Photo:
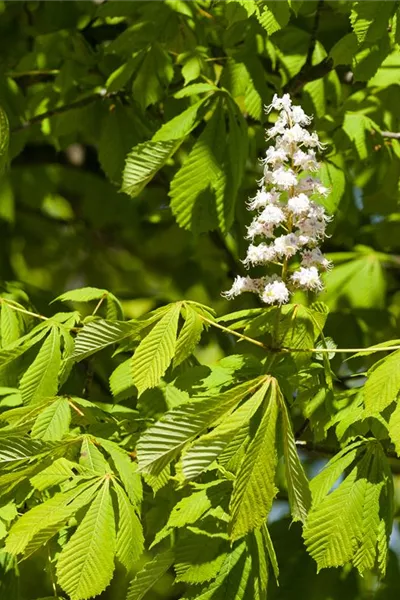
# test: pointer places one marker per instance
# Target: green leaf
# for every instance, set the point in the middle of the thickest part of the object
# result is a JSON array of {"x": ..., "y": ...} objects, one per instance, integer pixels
[
  {"x": 145, "y": 159},
  {"x": 189, "y": 336},
  {"x": 274, "y": 16},
  {"x": 254, "y": 488},
  {"x": 193, "y": 187},
  {"x": 164, "y": 440},
  {"x": 10, "y": 325},
  {"x": 394, "y": 428},
  {"x": 154, "y": 74},
  {"x": 208, "y": 447},
  {"x": 58, "y": 472},
  {"x": 88, "y": 294},
  {"x": 156, "y": 351},
  {"x": 334, "y": 179},
  {"x": 148, "y": 576},
  {"x": 198, "y": 558},
  {"x": 86, "y": 564},
  {"x": 91, "y": 458},
  {"x": 126, "y": 468},
  {"x": 346, "y": 524},
  {"x": 48, "y": 517},
  {"x": 297, "y": 483},
  {"x": 181, "y": 125},
  {"x": 343, "y": 51},
  {"x": 121, "y": 379},
  {"x": 143, "y": 162},
  {"x": 231, "y": 581},
  {"x": 14, "y": 449},
  {"x": 383, "y": 384},
  {"x": 130, "y": 540},
  {"x": 369, "y": 22},
  {"x": 53, "y": 422},
  {"x": 100, "y": 334},
  {"x": 358, "y": 126},
  {"x": 40, "y": 380},
  {"x": 4, "y": 139}
]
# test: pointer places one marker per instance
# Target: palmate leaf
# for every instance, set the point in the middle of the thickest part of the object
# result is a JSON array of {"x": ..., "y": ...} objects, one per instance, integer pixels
[
  {"x": 350, "y": 523},
  {"x": 48, "y": 517},
  {"x": 86, "y": 563},
  {"x": 148, "y": 576},
  {"x": 254, "y": 488},
  {"x": 130, "y": 540},
  {"x": 208, "y": 447},
  {"x": 155, "y": 352},
  {"x": 40, "y": 380},
  {"x": 297, "y": 483},
  {"x": 53, "y": 422},
  {"x": 165, "y": 439},
  {"x": 382, "y": 385},
  {"x": 100, "y": 334}
]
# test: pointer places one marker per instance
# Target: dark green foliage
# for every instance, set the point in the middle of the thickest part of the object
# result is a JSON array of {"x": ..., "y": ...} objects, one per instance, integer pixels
[{"x": 152, "y": 446}]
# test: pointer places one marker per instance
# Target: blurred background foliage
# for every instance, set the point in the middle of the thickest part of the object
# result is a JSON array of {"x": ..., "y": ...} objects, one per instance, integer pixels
[{"x": 84, "y": 83}]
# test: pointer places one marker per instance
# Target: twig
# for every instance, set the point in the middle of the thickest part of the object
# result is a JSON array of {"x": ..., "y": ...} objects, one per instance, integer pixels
[
  {"x": 15, "y": 306},
  {"x": 78, "y": 410},
  {"x": 100, "y": 302},
  {"x": 286, "y": 350},
  {"x": 62, "y": 109},
  {"x": 310, "y": 72},
  {"x": 314, "y": 31}
]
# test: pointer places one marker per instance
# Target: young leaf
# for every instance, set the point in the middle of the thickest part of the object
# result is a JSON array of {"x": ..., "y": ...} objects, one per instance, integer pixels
[
  {"x": 148, "y": 576},
  {"x": 191, "y": 187},
  {"x": 297, "y": 483},
  {"x": 254, "y": 488},
  {"x": 92, "y": 459},
  {"x": 86, "y": 564},
  {"x": 231, "y": 581},
  {"x": 189, "y": 336},
  {"x": 14, "y": 449},
  {"x": 121, "y": 378},
  {"x": 155, "y": 352},
  {"x": 164, "y": 440},
  {"x": 48, "y": 517},
  {"x": 40, "y": 380},
  {"x": 53, "y": 422},
  {"x": 347, "y": 524},
  {"x": 208, "y": 447},
  {"x": 127, "y": 470},
  {"x": 97, "y": 335},
  {"x": 143, "y": 162},
  {"x": 382, "y": 385},
  {"x": 130, "y": 540}
]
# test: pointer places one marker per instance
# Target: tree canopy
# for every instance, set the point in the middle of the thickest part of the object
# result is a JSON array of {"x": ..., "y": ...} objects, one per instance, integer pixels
[{"x": 158, "y": 440}]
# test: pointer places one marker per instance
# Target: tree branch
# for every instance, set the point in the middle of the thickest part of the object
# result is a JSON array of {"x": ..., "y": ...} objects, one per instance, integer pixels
[
  {"x": 65, "y": 108},
  {"x": 310, "y": 72}
]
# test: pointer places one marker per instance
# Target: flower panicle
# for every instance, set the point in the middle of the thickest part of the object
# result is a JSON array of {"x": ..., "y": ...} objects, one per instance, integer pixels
[{"x": 289, "y": 225}]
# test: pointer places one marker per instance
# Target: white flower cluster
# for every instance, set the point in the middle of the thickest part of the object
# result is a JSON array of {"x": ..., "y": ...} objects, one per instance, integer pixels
[{"x": 289, "y": 225}]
